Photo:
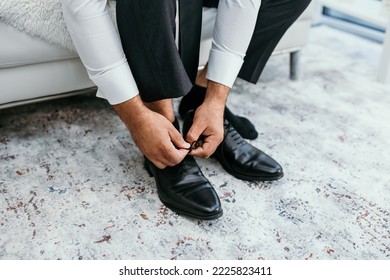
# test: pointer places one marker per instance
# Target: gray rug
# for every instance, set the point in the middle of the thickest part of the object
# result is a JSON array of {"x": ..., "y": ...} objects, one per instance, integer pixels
[{"x": 73, "y": 186}]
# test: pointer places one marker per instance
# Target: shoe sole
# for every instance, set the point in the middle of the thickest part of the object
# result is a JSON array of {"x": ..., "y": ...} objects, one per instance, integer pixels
[{"x": 191, "y": 215}]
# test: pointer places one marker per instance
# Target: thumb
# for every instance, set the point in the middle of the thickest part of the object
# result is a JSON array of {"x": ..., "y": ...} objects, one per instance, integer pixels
[
  {"x": 178, "y": 140},
  {"x": 182, "y": 153},
  {"x": 194, "y": 133}
]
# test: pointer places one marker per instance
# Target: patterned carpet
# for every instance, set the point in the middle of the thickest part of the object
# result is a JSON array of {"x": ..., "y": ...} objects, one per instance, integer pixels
[{"x": 73, "y": 186}]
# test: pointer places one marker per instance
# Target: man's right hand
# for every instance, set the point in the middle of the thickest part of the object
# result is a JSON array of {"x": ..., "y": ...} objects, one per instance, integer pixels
[
  {"x": 208, "y": 120},
  {"x": 154, "y": 134}
]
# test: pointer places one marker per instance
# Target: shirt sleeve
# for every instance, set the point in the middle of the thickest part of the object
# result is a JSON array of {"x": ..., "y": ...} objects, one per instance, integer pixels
[
  {"x": 234, "y": 26},
  {"x": 98, "y": 44}
]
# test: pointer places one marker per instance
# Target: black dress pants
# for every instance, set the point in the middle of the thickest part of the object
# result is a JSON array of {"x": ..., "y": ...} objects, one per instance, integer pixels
[
  {"x": 275, "y": 17},
  {"x": 147, "y": 29}
]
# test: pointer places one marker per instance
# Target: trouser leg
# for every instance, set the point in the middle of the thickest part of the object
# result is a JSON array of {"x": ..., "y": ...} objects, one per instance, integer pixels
[
  {"x": 147, "y": 31},
  {"x": 275, "y": 17},
  {"x": 190, "y": 26}
]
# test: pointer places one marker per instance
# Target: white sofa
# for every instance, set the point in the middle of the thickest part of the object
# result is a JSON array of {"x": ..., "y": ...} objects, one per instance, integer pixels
[{"x": 33, "y": 70}]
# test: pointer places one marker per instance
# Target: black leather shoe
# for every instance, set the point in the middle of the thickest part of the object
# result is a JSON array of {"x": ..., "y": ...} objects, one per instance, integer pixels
[
  {"x": 240, "y": 158},
  {"x": 184, "y": 189}
]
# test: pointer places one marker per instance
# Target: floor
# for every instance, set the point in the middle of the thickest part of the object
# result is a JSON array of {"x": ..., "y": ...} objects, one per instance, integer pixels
[{"x": 73, "y": 186}]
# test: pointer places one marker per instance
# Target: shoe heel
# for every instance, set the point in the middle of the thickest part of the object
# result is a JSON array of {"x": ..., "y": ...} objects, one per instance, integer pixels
[{"x": 148, "y": 170}]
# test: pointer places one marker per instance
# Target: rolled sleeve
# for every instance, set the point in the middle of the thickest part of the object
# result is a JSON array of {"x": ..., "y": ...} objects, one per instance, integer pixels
[
  {"x": 235, "y": 23},
  {"x": 223, "y": 67},
  {"x": 98, "y": 44},
  {"x": 117, "y": 85}
]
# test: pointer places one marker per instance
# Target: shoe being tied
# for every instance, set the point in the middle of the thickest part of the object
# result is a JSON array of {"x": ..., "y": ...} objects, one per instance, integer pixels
[
  {"x": 240, "y": 158},
  {"x": 184, "y": 189}
]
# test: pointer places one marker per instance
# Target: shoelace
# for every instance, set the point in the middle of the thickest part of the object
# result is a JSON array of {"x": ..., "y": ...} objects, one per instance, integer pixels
[
  {"x": 232, "y": 133},
  {"x": 195, "y": 145}
]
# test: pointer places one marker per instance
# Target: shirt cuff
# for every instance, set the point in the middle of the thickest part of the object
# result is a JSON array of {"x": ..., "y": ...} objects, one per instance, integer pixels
[
  {"x": 116, "y": 85},
  {"x": 223, "y": 67}
]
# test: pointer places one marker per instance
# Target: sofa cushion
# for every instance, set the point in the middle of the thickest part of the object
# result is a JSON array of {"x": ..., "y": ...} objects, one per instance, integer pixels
[{"x": 13, "y": 51}]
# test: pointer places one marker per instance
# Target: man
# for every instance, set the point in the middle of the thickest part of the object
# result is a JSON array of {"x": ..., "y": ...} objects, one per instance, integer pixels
[{"x": 149, "y": 117}]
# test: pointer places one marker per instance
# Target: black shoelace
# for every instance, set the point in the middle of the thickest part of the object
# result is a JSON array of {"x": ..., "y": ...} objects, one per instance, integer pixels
[{"x": 232, "y": 133}]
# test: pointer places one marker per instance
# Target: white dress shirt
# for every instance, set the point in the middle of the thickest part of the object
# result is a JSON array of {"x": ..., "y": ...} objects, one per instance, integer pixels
[
  {"x": 98, "y": 44},
  {"x": 234, "y": 26}
]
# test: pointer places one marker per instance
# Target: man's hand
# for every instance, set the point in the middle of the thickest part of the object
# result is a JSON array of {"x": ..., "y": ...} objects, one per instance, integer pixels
[
  {"x": 207, "y": 127},
  {"x": 208, "y": 121},
  {"x": 154, "y": 135}
]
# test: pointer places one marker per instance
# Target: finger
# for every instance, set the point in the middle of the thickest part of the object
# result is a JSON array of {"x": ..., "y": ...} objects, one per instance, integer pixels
[
  {"x": 199, "y": 152},
  {"x": 174, "y": 156},
  {"x": 159, "y": 164},
  {"x": 194, "y": 133},
  {"x": 178, "y": 140},
  {"x": 182, "y": 153},
  {"x": 165, "y": 155},
  {"x": 207, "y": 149}
]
